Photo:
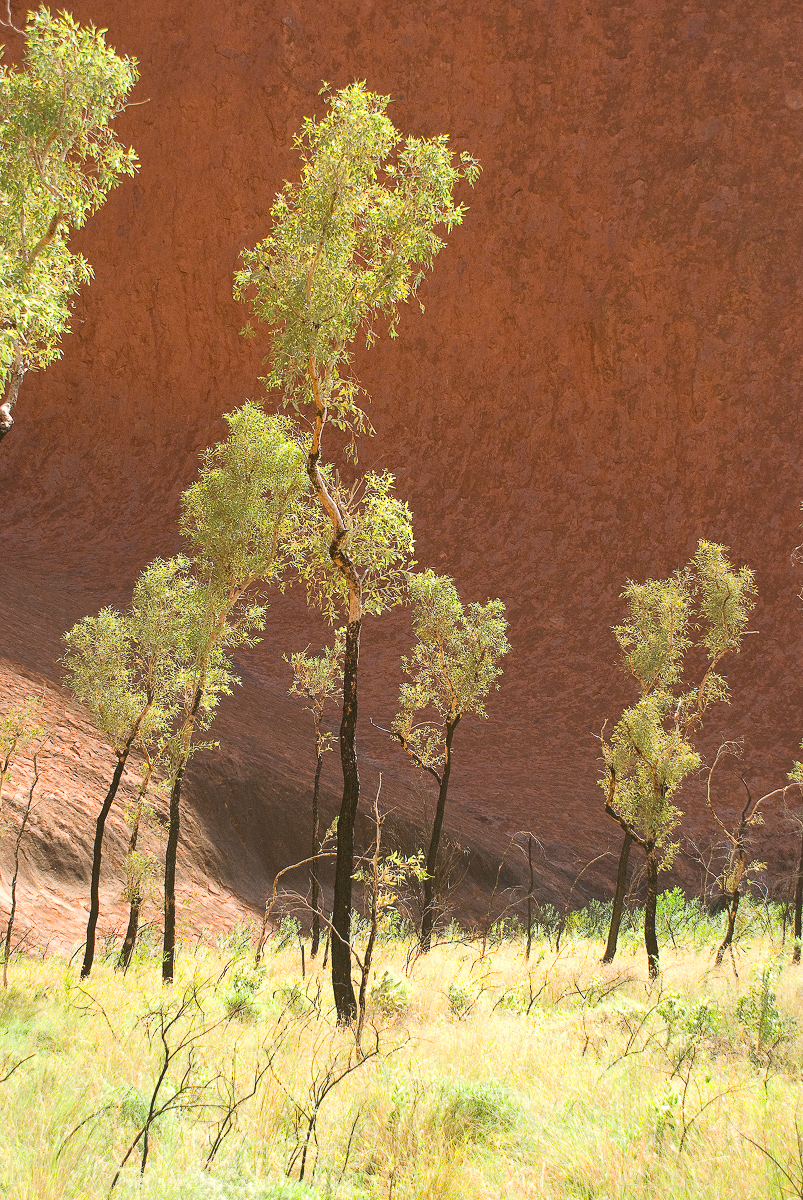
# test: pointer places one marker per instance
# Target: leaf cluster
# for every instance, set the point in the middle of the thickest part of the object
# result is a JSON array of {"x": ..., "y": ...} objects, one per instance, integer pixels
[
  {"x": 699, "y": 613},
  {"x": 59, "y": 158},
  {"x": 19, "y": 727},
  {"x": 243, "y": 518},
  {"x": 350, "y": 242},
  {"x": 130, "y": 669},
  {"x": 453, "y": 665},
  {"x": 317, "y": 678},
  {"x": 379, "y": 541}
]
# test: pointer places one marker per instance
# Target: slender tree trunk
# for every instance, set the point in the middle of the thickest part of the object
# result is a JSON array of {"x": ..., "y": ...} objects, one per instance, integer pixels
[
  {"x": 618, "y": 901},
  {"x": 733, "y": 907},
  {"x": 798, "y": 907},
  {"x": 97, "y": 854},
  {"x": 650, "y": 937},
  {"x": 169, "y": 945},
  {"x": 430, "y": 892},
  {"x": 733, "y": 901},
  {"x": 316, "y": 889},
  {"x": 345, "y": 1000},
  {"x": 13, "y": 910},
  {"x": 529, "y": 900},
  {"x": 135, "y": 905}
]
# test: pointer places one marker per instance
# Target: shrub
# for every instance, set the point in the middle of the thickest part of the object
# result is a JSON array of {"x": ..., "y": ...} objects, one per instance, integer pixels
[
  {"x": 461, "y": 999},
  {"x": 245, "y": 981},
  {"x": 291, "y": 996},
  {"x": 758, "y": 1011},
  {"x": 477, "y": 1112},
  {"x": 390, "y": 994},
  {"x": 238, "y": 942}
]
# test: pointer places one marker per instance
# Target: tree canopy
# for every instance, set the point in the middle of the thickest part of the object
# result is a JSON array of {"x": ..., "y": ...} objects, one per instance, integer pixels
[{"x": 59, "y": 158}]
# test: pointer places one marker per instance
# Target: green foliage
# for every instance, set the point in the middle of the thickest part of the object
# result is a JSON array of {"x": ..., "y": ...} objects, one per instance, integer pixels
[
  {"x": 242, "y": 520},
  {"x": 384, "y": 875},
  {"x": 245, "y": 981},
  {"x": 291, "y": 996},
  {"x": 58, "y": 160},
  {"x": 689, "y": 1020},
  {"x": 243, "y": 516},
  {"x": 140, "y": 878},
  {"x": 477, "y": 1112},
  {"x": 238, "y": 943},
  {"x": 289, "y": 931},
  {"x": 129, "y": 668},
  {"x": 19, "y": 727},
  {"x": 462, "y": 999},
  {"x": 759, "y": 1013},
  {"x": 380, "y": 546},
  {"x": 317, "y": 678},
  {"x": 453, "y": 665},
  {"x": 705, "y": 607},
  {"x": 351, "y": 241},
  {"x": 390, "y": 993}
]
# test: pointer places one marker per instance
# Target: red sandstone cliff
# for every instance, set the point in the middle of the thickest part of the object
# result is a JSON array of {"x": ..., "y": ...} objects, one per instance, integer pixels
[{"x": 608, "y": 368}]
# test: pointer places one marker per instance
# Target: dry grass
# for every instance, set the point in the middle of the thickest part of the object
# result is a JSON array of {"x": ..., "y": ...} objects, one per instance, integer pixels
[{"x": 498, "y": 1078}]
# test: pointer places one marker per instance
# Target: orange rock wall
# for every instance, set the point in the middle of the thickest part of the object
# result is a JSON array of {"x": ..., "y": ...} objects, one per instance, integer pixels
[{"x": 608, "y": 367}]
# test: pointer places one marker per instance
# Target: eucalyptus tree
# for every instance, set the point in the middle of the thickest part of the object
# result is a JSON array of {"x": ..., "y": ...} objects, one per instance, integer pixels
[
  {"x": 380, "y": 553},
  {"x": 698, "y": 614},
  {"x": 317, "y": 678},
  {"x": 128, "y": 669},
  {"x": 59, "y": 158},
  {"x": 242, "y": 521},
  {"x": 19, "y": 727},
  {"x": 350, "y": 242},
  {"x": 453, "y": 665}
]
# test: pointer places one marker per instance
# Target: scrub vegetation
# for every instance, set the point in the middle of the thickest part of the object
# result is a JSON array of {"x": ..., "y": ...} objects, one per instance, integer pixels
[{"x": 478, "y": 1074}]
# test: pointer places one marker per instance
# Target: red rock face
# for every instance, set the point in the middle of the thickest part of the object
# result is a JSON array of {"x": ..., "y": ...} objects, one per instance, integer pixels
[{"x": 608, "y": 368}]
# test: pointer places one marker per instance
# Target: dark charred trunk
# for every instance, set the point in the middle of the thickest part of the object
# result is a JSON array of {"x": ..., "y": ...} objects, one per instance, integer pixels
[
  {"x": 345, "y": 1000},
  {"x": 430, "y": 891},
  {"x": 316, "y": 846},
  {"x": 618, "y": 901},
  {"x": 135, "y": 905},
  {"x": 798, "y": 906},
  {"x": 169, "y": 945},
  {"x": 733, "y": 907},
  {"x": 97, "y": 854},
  {"x": 650, "y": 937},
  {"x": 131, "y": 932}
]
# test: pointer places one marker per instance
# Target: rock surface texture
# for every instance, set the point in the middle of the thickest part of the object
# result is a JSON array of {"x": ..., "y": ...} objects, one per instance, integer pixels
[{"x": 608, "y": 368}]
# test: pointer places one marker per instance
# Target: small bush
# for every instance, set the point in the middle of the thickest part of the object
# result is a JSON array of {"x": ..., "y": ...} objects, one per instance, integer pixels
[
  {"x": 461, "y": 999},
  {"x": 477, "y": 1112},
  {"x": 759, "y": 1014},
  {"x": 288, "y": 931},
  {"x": 238, "y": 943},
  {"x": 134, "y": 1108},
  {"x": 291, "y": 996},
  {"x": 390, "y": 994},
  {"x": 244, "y": 982}
]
